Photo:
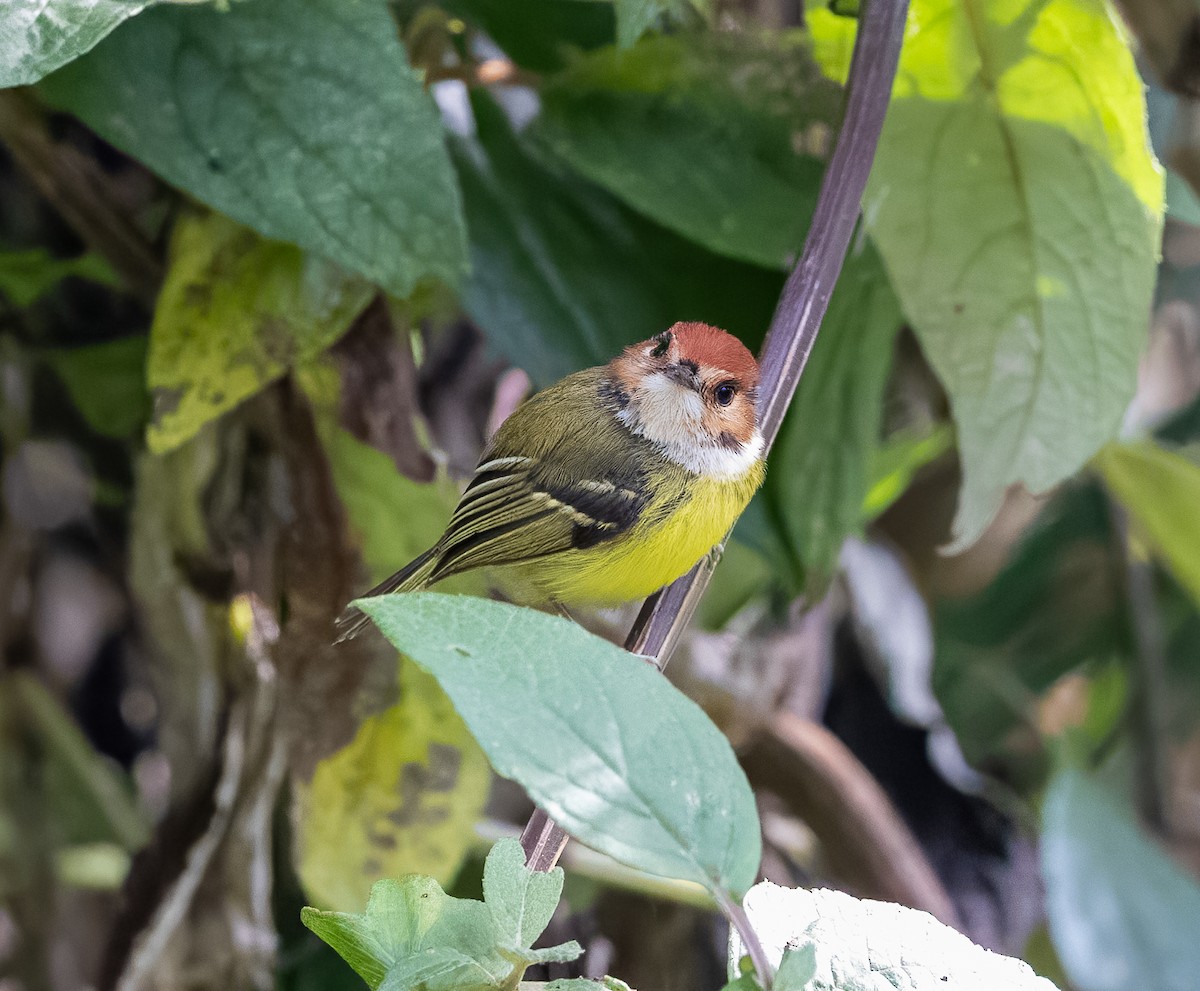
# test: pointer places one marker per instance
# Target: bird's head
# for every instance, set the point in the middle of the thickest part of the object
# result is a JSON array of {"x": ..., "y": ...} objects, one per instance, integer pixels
[{"x": 693, "y": 391}]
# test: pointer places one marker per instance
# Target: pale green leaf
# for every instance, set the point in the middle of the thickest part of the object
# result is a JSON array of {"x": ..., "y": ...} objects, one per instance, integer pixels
[
  {"x": 1122, "y": 914},
  {"x": 39, "y": 36},
  {"x": 414, "y": 928},
  {"x": 708, "y": 135},
  {"x": 521, "y": 901},
  {"x": 634, "y": 17},
  {"x": 299, "y": 118},
  {"x": 1161, "y": 491},
  {"x": 234, "y": 313},
  {"x": 1017, "y": 206},
  {"x": 620, "y": 759},
  {"x": 403, "y": 796},
  {"x": 852, "y": 944}
]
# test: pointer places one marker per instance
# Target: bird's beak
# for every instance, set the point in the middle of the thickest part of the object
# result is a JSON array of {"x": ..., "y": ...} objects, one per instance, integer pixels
[{"x": 684, "y": 373}]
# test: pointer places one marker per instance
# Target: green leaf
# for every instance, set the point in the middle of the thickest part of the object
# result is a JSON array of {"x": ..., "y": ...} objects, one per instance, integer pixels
[
  {"x": 892, "y": 465},
  {"x": 699, "y": 133},
  {"x": 403, "y": 796},
  {"x": 635, "y": 17},
  {"x": 796, "y": 969},
  {"x": 540, "y": 34},
  {"x": 817, "y": 483},
  {"x": 411, "y": 931},
  {"x": 234, "y": 313},
  {"x": 26, "y": 276},
  {"x": 1161, "y": 491},
  {"x": 850, "y": 944},
  {"x": 1018, "y": 209},
  {"x": 415, "y": 936},
  {"x": 1122, "y": 914},
  {"x": 522, "y": 901},
  {"x": 299, "y": 118},
  {"x": 37, "y": 38},
  {"x": 620, "y": 758},
  {"x": 563, "y": 276},
  {"x": 107, "y": 383},
  {"x": 1053, "y": 608},
  {"x": 91, "y": 799}
]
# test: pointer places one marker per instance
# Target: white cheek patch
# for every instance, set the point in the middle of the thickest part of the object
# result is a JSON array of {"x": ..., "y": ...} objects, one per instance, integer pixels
[
  {"x": 671, "y": 415},
  {"x": 664, "y": 411}
]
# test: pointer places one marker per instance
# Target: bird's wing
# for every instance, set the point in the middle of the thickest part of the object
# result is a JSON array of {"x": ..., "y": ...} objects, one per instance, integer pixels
[{"x": 519, "y": 508}]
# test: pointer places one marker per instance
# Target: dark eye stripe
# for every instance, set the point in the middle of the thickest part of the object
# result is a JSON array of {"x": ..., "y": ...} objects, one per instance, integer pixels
[{"x": 663, "y": 344}]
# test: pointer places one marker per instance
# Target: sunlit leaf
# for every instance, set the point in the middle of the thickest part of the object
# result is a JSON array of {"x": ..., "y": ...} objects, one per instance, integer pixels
[
  {"x": 402, "y": 797},
  {"x": 1017, "y": 206},
  {"x": 845, "y": 943},
  {"x": 234, "y": 313},
  {"x": 39, "y": 37},
  {"x": 298, "y": 118},
  {"x": 1122, "y": 914},
  {"x": 621, "y": 759}
]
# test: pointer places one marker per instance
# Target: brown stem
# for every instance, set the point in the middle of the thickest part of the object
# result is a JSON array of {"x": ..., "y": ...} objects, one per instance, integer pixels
[
  {"x": 793, "y": 328},
  {"x": 79, "y": 193},
  {"x": 861, "y": 833}
]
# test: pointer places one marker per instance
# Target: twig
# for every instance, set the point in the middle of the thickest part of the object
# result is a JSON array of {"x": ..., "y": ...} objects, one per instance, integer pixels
[
  {"x": 863, "y": 836},
  {"x": 1150, "y": 694},
  {"x": 793, "y": 329}
]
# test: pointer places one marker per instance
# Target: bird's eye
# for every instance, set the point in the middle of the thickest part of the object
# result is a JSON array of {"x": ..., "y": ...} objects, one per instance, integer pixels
[
  {"x": 661, "y": 345},
  {"x": 725, "y": 393}
]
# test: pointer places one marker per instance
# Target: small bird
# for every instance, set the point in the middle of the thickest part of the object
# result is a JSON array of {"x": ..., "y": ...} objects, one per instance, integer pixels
[{"x": 611, "y": 483}]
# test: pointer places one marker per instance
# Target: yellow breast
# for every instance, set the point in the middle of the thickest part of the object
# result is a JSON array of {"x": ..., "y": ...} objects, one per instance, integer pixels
[{"x": 655, "y": 552}]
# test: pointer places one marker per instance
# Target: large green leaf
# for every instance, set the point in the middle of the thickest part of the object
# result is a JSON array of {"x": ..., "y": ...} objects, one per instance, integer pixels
[
  {"x": 402, "y": 797},
  {"x": 1018, "y": 208},
  {"x": 1161, "y": 491},
  {"x": 700, "y": 133},
  {"x": 234, "y": 313},
  {"x": 563, "y": 276},
  {"x": 299, "y": 118},
  {"x": 1122, "y": 915},
  {"x": 614, "y": 752},
  {"x": 37, "y": 38},
  {"x": 818, "y": 477}
]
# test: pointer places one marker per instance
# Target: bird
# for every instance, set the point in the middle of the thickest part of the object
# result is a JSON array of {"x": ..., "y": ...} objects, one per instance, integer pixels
[{"x": 609, "y": 484}]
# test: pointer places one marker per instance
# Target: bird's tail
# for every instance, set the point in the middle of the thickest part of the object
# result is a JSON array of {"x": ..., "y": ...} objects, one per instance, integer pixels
[{"x": 412, "y": 576}]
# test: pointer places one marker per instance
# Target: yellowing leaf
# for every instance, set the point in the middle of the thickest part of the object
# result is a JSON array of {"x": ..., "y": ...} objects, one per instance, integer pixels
[
  {"x": 1018, "y": 209},
  {"x": 1161, "y": 491},
  {"x": 402, "y": 797},
  {"x": 234, "y": 313}
]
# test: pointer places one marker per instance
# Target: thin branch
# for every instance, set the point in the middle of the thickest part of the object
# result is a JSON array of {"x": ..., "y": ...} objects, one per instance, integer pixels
[
  {"x": 1150, "y": 696},
  {"x": 793, "y": 329}
]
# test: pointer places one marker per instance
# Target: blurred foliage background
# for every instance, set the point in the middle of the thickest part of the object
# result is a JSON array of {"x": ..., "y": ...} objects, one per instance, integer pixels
[{"x": 269, "y": 275}]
